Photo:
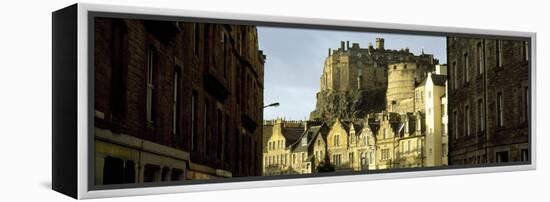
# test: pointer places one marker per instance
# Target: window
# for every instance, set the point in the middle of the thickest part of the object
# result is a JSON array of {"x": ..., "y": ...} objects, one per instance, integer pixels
[
  {"x": 443, "y": 109},
  {"x": 351, "y": 159},
  {"x": 371, "y": 158},
  {"x": 219, "y": 134},
  {"x": 337, "y": 140},
  {"x": 227, "y": 135},
  {"x": 119, "y": 45},
  {"x": 480, "y": 115},
  {"x": 194, "y": 121},
  {"x": 467, "y": 120},
  {"x": 454, "y": 75},
  {"x": 150, "y": 86},
  {"x": 303, "y": 156},
  {"x": 175, "y": 103},
  {"x": 224, "y": 48},
  {"x": 385, "y": 154},
  {"x": 500, "y": 110},
  {"x": 466, "y": 68},
  {"x": 524, "y": 155},
  {"x": 113, "y": 170},
  {"x": 385, "y": 134},
  {"x": 294, "y": 158},
  {"x": 455, "y": 124},
  {"x": 206, "y": 132},
  {"x": 197, "y": 36},
  {"x": 164, "y": 174},
  {"x": 176, "y": 174},
  {"x": 337, "y": 159},
  {"x": 409, "y": 146},
  {"x": 480, "y": 59},
  {"x": 499, "y": 53},
  {"x": 304, "y": 141},
  {"x": 502, "y": 157},
  {"x": 526, "y": 51},
  {"x": 526, "y": 104},
  {"x": 151, "y": 173}
]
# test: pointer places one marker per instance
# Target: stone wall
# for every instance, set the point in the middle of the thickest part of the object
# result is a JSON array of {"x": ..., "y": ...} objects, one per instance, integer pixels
[{"x": 480, "y": 72}]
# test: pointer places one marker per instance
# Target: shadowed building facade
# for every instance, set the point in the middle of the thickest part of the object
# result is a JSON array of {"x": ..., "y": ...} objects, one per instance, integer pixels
[
  {"x": 489, "y": 100},
  {"x": 176, "y": 101}
]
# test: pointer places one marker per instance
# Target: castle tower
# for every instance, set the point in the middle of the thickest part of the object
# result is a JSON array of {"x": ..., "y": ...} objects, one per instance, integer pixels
[
  {"x": 380, "y": 43},
  {"x": 355, "y": 79},
  {"x": 401, "y": 84}
]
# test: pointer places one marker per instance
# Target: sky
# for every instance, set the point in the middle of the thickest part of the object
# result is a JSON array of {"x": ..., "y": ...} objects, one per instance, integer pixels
[{"x": 295, "y": 57}]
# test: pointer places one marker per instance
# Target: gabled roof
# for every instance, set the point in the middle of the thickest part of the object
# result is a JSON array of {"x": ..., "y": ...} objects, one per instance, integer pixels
[
  {"x": 357, "y": 126},
  {"x": 439, "y": 80},
  {"x": 292, "y": 134},
  {"x": 311, "y": 133}
]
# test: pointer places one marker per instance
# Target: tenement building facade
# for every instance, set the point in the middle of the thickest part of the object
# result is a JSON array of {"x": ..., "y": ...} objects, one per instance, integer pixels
[
  {"x": 489, "y": 100},
  {"x": 176, "y": 101}
]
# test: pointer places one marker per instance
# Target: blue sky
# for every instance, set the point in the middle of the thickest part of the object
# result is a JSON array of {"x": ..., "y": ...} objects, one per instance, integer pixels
[{"x": 295, "y": 57}]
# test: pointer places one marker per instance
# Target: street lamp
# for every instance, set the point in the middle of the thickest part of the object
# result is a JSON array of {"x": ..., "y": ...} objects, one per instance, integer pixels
[{"x": 275, "y": 104}]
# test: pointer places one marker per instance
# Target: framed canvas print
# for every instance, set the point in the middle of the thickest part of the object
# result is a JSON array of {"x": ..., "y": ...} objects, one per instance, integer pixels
[{"x": 151, "y": 101}]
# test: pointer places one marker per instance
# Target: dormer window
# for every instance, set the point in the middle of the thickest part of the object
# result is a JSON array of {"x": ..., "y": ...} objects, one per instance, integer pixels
[{"x": 304, "y": 141}]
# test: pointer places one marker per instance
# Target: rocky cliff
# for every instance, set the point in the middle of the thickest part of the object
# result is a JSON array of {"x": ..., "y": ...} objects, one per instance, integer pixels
[{"x": 347, "y": 104}]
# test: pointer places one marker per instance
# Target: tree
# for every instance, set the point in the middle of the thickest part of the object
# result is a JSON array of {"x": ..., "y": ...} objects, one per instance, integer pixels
[{"x": 325, "y": 166}]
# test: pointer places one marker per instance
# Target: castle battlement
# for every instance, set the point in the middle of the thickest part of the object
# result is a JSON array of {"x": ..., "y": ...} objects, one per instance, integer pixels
[{"x": 355, "y": 79}]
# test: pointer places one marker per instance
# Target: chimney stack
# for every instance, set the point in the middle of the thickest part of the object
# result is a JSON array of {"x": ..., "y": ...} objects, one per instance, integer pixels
[
  {"x": 342, "y": 45},
  {"x": 329, "y": 51},
  {"x": 347, "y": 45}
]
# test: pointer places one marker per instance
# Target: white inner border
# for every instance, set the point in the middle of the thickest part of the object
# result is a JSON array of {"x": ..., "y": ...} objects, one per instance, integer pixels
[{"x": 82, "y": 38}]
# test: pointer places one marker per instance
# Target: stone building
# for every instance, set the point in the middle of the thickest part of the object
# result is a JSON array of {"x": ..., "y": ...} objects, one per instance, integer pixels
[
  {"x": 489, "y": 100},
  {"x": 402, "y": 80},
  {"x": 310, "y": 149},
  {"x": 355, "y": 79},
  {"x": 279, "y": 137},
  {"x": 432, "y": 89},
  {"x": 176, "y": 101},
  {"x": 444, "y": 129},
  {"x": 293, "y": 147}
]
